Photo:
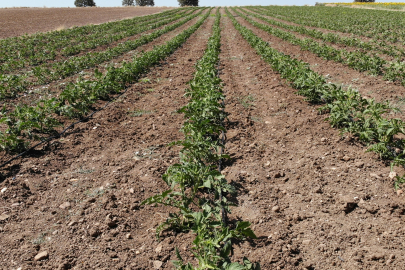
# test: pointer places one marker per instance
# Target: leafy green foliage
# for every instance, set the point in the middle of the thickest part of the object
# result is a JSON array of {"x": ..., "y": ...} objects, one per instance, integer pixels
[
  {"x": 37, "y": 53},
  {"x": 357, "y": 60},
  {"x": 76, "y": 99},
  {"x": 183, "y": 3},
  {"x": 348, "y": 110},
  {"x": 143, "y": 3},
  {"x": 331, "y": 37},
  {"x": 85, "y": 3},
  {"x": 128, "y": 3},
  {"x": 195, "y": 182}
]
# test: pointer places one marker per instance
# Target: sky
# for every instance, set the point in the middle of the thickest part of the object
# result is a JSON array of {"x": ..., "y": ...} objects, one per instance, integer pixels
[{"x": 112, "y": 3}]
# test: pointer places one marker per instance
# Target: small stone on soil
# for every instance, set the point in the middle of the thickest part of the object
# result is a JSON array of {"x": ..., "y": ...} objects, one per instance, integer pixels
[
  {"x": 306, "y": 242},
  {"x": 65, "y": 205},
  {"x": 41, "y": 256},
  {"x": 279, "y": 174},
  {"x": 128, "y": 236},
  {"x": 346, "y": 158},
  {"x": 349, "y": 203},
  {"x": 73, "y": 223},
  {"x": 275, "y": 208},
  {"x": 359, "y": 164},
  {"x": 157, "y": 264},
  {"x": 392, "y": 175},
  {"x": 159, "y": 248},
  {"x": 4, "y": 217},
  {"x": 94, "y": 232},
  {"x": 377, "y": 256},
  {"x": 111, "y": 223}
]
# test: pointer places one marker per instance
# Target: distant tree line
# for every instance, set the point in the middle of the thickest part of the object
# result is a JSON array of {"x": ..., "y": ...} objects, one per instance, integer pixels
[
  {"x": 368, "y": 1},
  {"x": 183, "y": 3},
  {"x": 85, "y": 3}
]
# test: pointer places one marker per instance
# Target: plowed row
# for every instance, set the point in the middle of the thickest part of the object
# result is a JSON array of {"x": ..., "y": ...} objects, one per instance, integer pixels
[{"x": 20, "y": 21}]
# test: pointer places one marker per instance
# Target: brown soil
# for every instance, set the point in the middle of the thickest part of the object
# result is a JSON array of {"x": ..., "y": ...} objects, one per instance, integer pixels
[
  {"x": 317, "y": 201},
  {"x": 19, "y": 21}
]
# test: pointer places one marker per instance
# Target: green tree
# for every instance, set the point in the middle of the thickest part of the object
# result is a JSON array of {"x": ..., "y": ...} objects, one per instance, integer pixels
[
  {"x": 183, "y": 3},
  {"x": 85, "y": 3},
  {"x": 368, "y": 1},
  {"x": 143, "y": 3},
  {"x": 127, "y": 3}
]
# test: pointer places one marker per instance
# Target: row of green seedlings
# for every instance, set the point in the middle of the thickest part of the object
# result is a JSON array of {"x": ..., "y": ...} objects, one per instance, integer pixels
[
  {"x": 46, "y": 45},
  {"x": 332, "y": 37},
  {"x": 358, "y": 60},
  {"x": 41, "y": 48},
  {"x": 27, "y": 123},
  {"x": 197, "y": 187},
  {"x": 43, "y": 55},
  {"x": 379, "y": 25},
  {"x": 348, "y": 110},
  {"x": 12, "y": 85}
]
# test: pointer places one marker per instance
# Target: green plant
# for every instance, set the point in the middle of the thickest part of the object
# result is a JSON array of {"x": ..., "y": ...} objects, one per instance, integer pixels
[
  {"x": 76, "y": 99},
  {"x": 138, "y": 113},
  {"x": 247, "y": 101},
  {"x": 85, "y": 3},
  {"x": 196, "y": 187},
  {"x": 347, "y": 109}
]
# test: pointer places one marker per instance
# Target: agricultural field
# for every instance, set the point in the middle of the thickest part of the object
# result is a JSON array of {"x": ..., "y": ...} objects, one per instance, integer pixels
[
  {"x": 260, "y": 137},
  {"x": 21, "y": 21}
]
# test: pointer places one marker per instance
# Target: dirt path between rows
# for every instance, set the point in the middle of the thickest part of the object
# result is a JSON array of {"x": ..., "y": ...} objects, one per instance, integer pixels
[
  {"x": 79, "y": 199},
  {"x": 20, "y": 21}
]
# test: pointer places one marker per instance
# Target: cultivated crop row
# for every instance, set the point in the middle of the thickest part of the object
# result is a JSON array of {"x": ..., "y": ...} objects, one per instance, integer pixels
[
  {"x": 45, "y": 46},
  {"x": 376, "y": 24},
  {"x": 196, "y": 186},
  {"x": 347, "y": 109},
  {"x": 26, "y": 123},
  {"x": 11, "y": 85},
  {"x": 358, "y": 60},
  {"x": 32, "y": 56},
  {"x": 331, "y": 37}
]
